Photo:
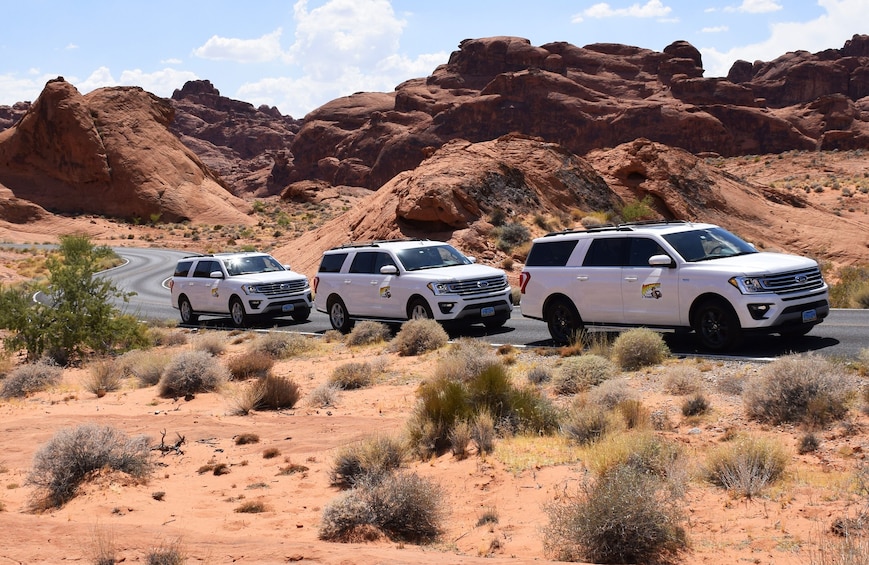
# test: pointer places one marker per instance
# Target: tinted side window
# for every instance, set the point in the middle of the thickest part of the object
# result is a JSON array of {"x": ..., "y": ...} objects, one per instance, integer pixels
[
  {"x": 363, "y": 263},
  {"x": 182, "y": 268},
  {"x": 331, "y": 263},
  {"x": 204, "y": 268},
  {"x": 550, "y": 253},
  {"x": 606, "y": 252},
  {"x": 383, "y": 259},
  {"x": 641, "y": 249}
]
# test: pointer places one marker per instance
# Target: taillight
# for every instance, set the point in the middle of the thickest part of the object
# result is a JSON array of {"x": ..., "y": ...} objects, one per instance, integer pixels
[
  {"x": 524, "y": 277},
  {"x": 316, "y": 284},
  {"x": 171, "y": 283}
]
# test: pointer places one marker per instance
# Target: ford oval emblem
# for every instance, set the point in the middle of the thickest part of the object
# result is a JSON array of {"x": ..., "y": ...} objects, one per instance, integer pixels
[
  {"x": 482, "y": 284},
  {"x": 285, "y": 286},
  {"x": 801, "y": 279}
]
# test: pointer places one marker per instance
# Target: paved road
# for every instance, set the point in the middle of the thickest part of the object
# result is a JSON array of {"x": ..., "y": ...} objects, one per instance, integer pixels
[{"x": 842, "y": 335}]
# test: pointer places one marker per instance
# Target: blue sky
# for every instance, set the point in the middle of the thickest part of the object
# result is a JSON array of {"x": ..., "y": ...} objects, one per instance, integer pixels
[{"x": 299, "y": 54}]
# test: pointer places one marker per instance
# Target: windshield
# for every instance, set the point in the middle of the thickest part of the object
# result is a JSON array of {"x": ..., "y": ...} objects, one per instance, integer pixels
[
  {"x": 251, "y": 265},
  {"x": 705, "y": 244},
  {"x": 431, "y": 257}
]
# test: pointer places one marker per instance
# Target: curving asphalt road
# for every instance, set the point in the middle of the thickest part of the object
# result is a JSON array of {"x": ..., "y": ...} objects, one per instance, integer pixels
[{"x": 842, "y": 335}]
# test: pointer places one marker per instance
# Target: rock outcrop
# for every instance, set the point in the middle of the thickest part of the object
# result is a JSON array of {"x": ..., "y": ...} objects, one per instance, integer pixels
[{"x": 110, "y": 153}]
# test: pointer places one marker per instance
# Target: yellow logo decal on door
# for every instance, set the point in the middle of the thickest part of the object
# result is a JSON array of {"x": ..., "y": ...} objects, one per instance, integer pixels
[
  {"x": 652, "y": 290},
  {"x": 385, "y": 292}
]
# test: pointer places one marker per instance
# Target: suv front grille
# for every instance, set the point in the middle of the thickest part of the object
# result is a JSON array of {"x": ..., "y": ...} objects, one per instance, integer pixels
[
  {"x": 479, "y": 286},
  {"x": 283, "y": 288},
  {"x": 795, "y": 281}
]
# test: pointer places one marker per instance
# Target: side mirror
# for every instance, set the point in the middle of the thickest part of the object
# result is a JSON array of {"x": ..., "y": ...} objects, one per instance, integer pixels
[
  {"x": 389, "y": 270},
  {"x": 472, "y": 259},
  {"x": 287, "y": 267},
  {"x": 216, "y": 275},
  {"x": 661, "y": 261}
]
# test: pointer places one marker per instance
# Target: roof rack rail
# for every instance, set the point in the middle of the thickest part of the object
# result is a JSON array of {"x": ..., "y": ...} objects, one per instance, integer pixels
[
  {"x": 376, "y": 242},
  {"x": 627, "y": 226}
]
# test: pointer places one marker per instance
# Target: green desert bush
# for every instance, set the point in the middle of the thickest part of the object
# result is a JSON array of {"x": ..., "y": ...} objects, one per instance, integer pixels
[
  {"x": 419, "y": 336},
  {"x": 405, "y": 507},
  {"x": 62, "y": 464},
  {"x": 352, "y": 375},
  {"x": 250, "y": 364},
  {"x": 746, "y": 466},
  {"x": 29, "y": 378},
  {"x": 806, "y": 389},
  {"x": 511, "y": 234},
  {"x": 103, "y": 376},
  {"x": 624, "y": 516},
  {"x": 371, "y": 459},
  {"x": 638, "y": 348},
  {"x": 192, "y": 372},
  {"x": 367, "y": 332},
  {"x": 578, "y": 374}
]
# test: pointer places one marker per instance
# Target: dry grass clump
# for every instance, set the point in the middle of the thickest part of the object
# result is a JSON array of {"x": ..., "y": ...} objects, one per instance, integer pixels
[
  {"x": 324, "y": 396},
  {"x": 282, "y": 345},
  {"x": 371, "y": 459},
  {"x": 352, "y": 375},
  {"x": 145, "y": 366},
  {"x": 103, "y": 376},
  {"x": 213, "y": 343},
  {"x": 29, "y": 378},
  {"x": 368, "y": 332},
  {"x": 419, "y": 336},
  {"x": 166, "y": 554},
  {"x": 404, "y": 507},
  {"x": 805, "y": 389},
  {"x": 696, "y": 405},
  {"x": 483, "y": 432},
  {"x": 642, "y": 449},
  {"x": 252, "y": 507},
  {"x": 278, "y": 393},
  {"x": 191, "y": 372},
  {"x": 746, "y": 466},
  {"x": 167, "y": 337},
  {"x": 73, "y": 453},
  {"x": 611, "y": 393},
  {"x": 464, "y": 359},
  {"x": 246, "y": 438},
  {"x": 539, "y": 374},
  {"x": 682, "y": 379},
  {"x": 250, "y": 364},
  {"x": 640, "y": 347},
  {"x": 586, "y": 423},
  {"x": 577, "y": 374},
  {"x": 624, "y": 516}
]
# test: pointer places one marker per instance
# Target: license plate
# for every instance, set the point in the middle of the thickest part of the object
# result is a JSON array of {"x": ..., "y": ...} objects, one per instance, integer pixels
[
  {"x": 487, "y": 311},
  {"x": 288, "y": 308},
  {"x": 810, "y": 316}
]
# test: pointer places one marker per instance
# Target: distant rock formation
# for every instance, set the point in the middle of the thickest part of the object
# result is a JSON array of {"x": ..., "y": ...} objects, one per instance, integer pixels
[{"x": 110, "y": 153}]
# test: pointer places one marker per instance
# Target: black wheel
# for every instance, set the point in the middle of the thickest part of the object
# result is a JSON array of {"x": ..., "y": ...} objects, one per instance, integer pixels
[
  {"x": 237, "y": 313},
  {"x": 495, "y": 323},
  {"x": 338, "y": 316},
  {"x": 563, "y": 321},
  {"x": 717, "y": 326},
  {"x": 418, "y": 310},
  {"x": 300, "y": 314},
  {"x": 187, "y": 315}
]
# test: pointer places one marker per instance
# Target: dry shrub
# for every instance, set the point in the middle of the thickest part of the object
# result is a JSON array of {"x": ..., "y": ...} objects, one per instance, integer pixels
[
  {"x": 170, "y": 553},
  {"x": 682, "y": 380},
  {"x": 73, "y": 453},
  {"x": 191, "y": 372},
  {"x": 102, "y": 377},
  {"x": 577, "y": 374},
  {"x": 808, "y": 443},
  {"x": 643, "y": 450},
  {"x": 271, "y": 453},
  {"x": 405, "y": 507},
  {"x": 324, "y": 396},
  {"x": 367, "y": 332},
  {"x": 104, "y": 550},
  {"x": 464, "y": 359},
  {"x": 145, "y": 366},
  {"x": 638, "y": 348},
  {"x": 419, "y": 336},
  {"x": 539, "y": 375},
  {"x": 483, "y": 432},
  {"x": 246, "y": 438},
  {"x": 250, "y": 364},
  {"x": 371, "y": 459},
  {"x": 587, "y": 423},
  {"x": 625, "y": 516},
  {"x": 282, "y": 345},
  {"x": 352, "y": 375},
  {"x": 635, "y": 415},
  {"x": 611, "y": 393},
  {"x": 459, "y": 438},
  {"x": 277, "y": 393},
  {"x": 29, "y": 378},
  {"x": 167, "y": 337},
  {"x": 732, "y": 383},
  {"x": 213, "y": 343},
  {"x": 695, "y": 406},
  {"x": 746, "y": 466},
  {"x": 799, "y": 388},
  {"x": 252, "y": 507}
]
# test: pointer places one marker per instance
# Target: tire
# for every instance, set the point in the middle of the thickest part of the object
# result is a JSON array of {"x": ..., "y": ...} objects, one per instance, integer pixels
[
  {"x": 717, "y": 326},
  {"x": 237, "y": 313},
  {"x": 338, "y": 316},
  {"x": 301, "y": 314},
  {"x": 418, "y": 309},
  {"x": 187, "y": 315},
  {"x": 563, "y": 321}
]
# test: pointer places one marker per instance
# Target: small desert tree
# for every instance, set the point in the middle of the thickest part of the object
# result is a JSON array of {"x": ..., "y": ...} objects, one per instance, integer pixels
[{"x": 78, "y": 315}]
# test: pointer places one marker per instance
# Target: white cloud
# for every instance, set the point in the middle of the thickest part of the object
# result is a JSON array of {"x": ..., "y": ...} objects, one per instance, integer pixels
[
  {"x": 97, "y": 79},
  {"x": 71, "y": 47},
  {"x": 843, "y": 19},
  {"x": 171, "y": 61},
  {"x": 757, "y": 6},
  {"x": 716, "y": 29},
  {"x": 17, "y": 89},
  {"x": 265, "y": 48},
  {"x": 162, "y": 83},
  {"x": 651, "y": 9}
]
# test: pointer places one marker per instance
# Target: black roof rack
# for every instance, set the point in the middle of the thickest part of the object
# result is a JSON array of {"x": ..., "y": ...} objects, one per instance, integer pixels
[
  {"x": 376, "y": 243},
  {"x": 627, "y": 226}
]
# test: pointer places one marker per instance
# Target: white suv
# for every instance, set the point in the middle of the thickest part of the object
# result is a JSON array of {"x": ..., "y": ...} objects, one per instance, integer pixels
[
  {"x": 404, "y": 279},
  {"x": 243, "y": 285},
  {"x": 670, "y": 275}
]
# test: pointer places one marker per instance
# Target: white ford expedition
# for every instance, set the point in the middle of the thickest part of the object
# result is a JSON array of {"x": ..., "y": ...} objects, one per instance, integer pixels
[
  {"x": 244, "y": 285},
  {"x": 670, "y": 275},
  {"x": 398, "y": 280}
]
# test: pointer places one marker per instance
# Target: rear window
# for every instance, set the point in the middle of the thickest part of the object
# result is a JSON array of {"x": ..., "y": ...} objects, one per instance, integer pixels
[
  {"x": 331, "y": 263},
  {"x": 182, "y": 268},
  {"x": 551, "y": 253}
]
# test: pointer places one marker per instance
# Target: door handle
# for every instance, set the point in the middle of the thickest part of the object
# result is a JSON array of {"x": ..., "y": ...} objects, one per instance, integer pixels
[
  {"x": 631, "y": 279},
  {"x": 373, "y": 283},
  {"x": 582, "y": 278},
  {"x": 347, "y": 281}
]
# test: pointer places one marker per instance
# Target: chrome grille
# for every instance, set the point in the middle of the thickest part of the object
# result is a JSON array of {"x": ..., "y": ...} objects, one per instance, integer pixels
[
  {"x": 283, "y": 288},
  {"x": 795, "y": 281},
  {"x": 479, "y": 286}
]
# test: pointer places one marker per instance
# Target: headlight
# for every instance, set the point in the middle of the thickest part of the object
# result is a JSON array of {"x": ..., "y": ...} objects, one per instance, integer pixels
[
  {"x": 249, "y": 289},
  {"x": 748, "y": 285},
  {"x": 439, "y": 288}
]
